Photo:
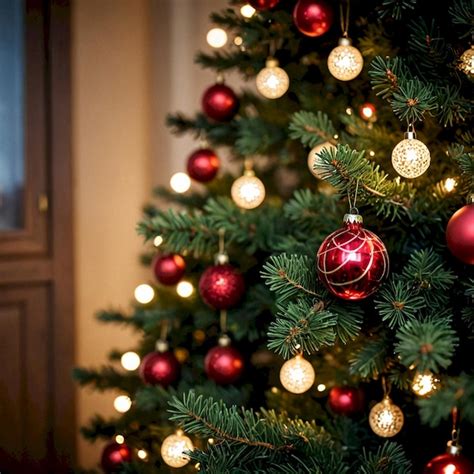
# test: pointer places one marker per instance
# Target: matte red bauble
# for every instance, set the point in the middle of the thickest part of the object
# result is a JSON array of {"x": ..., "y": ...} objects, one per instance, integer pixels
[
  {"x": 352, "y": 261},
  {"x": 263, "y": 4},
  {"x": 221, "y": 286},
  {"x": 312, "y": 17},
  {"x": 346, "y": 400},
  {"x": 224, "y": 365},
  {"x": 220, "y": 103},
  {"x": 160, "y": 368},
  {"x": 169, "y": 269},
  {"x": 460, "y": 234},
  {"x": 114, "y": 455},
  {"x": 449, "y": 464},
  {"x": 203, "y": 165}
]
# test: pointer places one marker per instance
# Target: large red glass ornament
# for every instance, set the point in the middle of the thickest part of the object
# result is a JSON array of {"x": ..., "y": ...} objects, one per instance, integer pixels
[
  {"x": 224, "y": 365},
  {"x": 346, "y": 400},
  {"x": 460, "y": 234},
  {"x": 114, "y": 455},
  {"x": 220, "y": 103},
  {"x": 263, "y": 4},
  {"x": 159, "y": 368},
  {"x": 449, "y": 464},
  {"x": 169, "y": 269},
  {"x": 203, "y": 165},
  {"x": 312, "y": 17},
  {"x": 221, "y": 286},
  {"x": 352, "y": 261}
]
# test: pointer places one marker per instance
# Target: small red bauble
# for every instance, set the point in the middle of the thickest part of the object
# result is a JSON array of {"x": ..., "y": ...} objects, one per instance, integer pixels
[
  {"x": 114, "y": 455},
  {"x": 460, "y": 234},
  {"x": 221, "y": 286},
  {"x": 312, "y": 17},
  {"x": 169, "y": 269},
  {"x": 346, "y": 400},
  {"x": 449, "y": 464},
  {"x": 263, "y": 4},
  {"x": 160, "y": 368},
  {"x": 220, "y": 103},
  {"x": 203, "y": 165},
  {"x": 224, "y": 365},
  {"x": 352, "y": 261}
]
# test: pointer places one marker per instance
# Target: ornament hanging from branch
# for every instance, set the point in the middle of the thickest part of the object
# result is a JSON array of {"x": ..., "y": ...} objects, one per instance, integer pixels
[
  {"x": 466, "y": 62},
  {"x": 173, "y": 449},
  {"x": 460, "y": 233},
  {"x": 297, "y": 374},
  {"x": 313, "y": 17},
  {"x": 219, "y": 102},
  {"x": 385, "y": 418},
  {"x": 315, "y": 162},
  {"x": 114, "y": 456},
  {"x": 272, "y": 81},
  {"x": 169, "y": 269},
  {"x": 223, "y": 363},
  {"x": 248, "y": 191},
  {"x": 203, "y": 165}
]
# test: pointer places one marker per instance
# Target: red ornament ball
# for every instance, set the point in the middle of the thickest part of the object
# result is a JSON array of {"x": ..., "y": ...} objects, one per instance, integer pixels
[
  {"x": 159, "y": 368},
  {"x": 346, "y": 400},
  {"x": 449, "y": 464},
  {"x": 114, "y": 455},
  {"x": 203, "y": 165},
  {"x": 224, "y": 365},
  {"x": 221, "y": 286},
  {"x": 220, "y": 103},
  {"x": 352, "y": 261},
  {"x": 263, "y": 4},
  {"x": 313, "y": 17},
  {"x": 460, "y": 234},
  {"x": 169, "y": 269}
]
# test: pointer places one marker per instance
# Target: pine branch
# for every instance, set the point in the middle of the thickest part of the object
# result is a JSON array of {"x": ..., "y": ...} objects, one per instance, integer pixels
[
  {"x": 396, "y": 8},
  {"x": 388, "y": 459},
  {"x": 107, "y": 377},
  {"x": 370, "y": 360},
  {"x": 311, "y": 128}
]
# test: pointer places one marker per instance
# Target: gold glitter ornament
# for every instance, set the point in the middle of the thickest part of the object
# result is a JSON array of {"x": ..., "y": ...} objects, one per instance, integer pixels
[
  {"x": 345, "y": 62},
  {"x": 297, "y": 374},
  {"x": 411, "y": 157},
  {"x": 272, "y": 81},
  {"x": 386, "y": 419},
  {"x": 467, "y": 62},
  {"x": 173, "y": 447},
  {"x": 314, "y": 161}
]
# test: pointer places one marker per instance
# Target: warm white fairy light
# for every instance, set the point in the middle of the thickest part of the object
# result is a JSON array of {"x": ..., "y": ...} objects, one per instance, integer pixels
[
  {"x": 238, "y": 41},
  {"x": 144, "y": 293},
  {"x": 297, "y": 375},
  {"x": 272, "y": 81},
  {"x": 321, "y": 387},
  {"x": 119, "y": 439},
  {"x": 424, "y": 384},
  {"x": 411, "y": 157},
  {"x": 216, "y": 37},
  {"x": 158, "y": 240},
  {"x": 349, "y": 111},
  {"x": 180, "y": 182},
  {"x": 372, "y": 153},
  {"x": 248, "y": 192},
  {"x": 247, "y": 11},
  {"x": 142, "y": 454},
  {"x": 345, "y": 62},
  {"x": 130, "y": 360},
  {"x": 173, "y": 448},
  {"x": 450, "y": 184},
  {"x": 122, "y": 403},
  {"x": 184, "y": 289}
]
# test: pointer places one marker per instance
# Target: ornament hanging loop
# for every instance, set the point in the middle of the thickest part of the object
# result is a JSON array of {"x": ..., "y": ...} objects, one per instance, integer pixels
[
  {"x": 410, "y": 134},
  {"x": 385, "y": 387},
  {"x": 345, "y": 18},
  {"x": 221, "y": 257},
  {"x": 352, "y": 204},
  {"x": 223, "y": 321}
]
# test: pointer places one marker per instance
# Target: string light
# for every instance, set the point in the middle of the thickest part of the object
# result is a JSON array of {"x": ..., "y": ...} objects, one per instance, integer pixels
[
  {"x": 372, "y": 153},
  {"x": 130, "y": 361},
  {"x": 321, "y": 387},
  {"x": 424, "y": 384},
  {"x": 158, "y": 240},
  {"x": 173, "y": 448},
  {"x": 367, "y": 111},
  {"x": 216, "y": 37},
  {"x": 247, "y": 11},
  {"x": 119, "y": 439},
  {"x": 297, "y": 374},
  {"x": 180, "y": 182},
  {"x": 450, "y": 184},
  {"x": 238, "y": 41},
  {"x": 142, "y": 454},
  {"x": 144, "y": 293},
  {"x": 122, "y": 403},
  {"x": 349, "y": 111},
  {"x": 184, "y": 289}
]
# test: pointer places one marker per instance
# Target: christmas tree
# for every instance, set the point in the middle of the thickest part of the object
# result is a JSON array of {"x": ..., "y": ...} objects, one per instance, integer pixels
[{"x": 313, "y": 314}]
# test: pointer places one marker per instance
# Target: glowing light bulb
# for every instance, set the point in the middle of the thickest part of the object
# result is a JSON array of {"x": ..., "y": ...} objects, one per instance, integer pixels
[
  {"x": 410, "y": 157},
  {"x": 180, "y": 182},
  {"x": 367, "y": 111},
  {"x": 272, "y": 81},
  {"x": 119, "y": 439},
  {"x": 349, "y": 111},
  {"x": 216, "y": 37},
  {"x": 247, "y": 11},
  {"x": 157, "y": 241},
  {"x": 321, "y": 387},
  {"x": 386, "y": 419},
  {"x": 173, "y": 448},
  {"x": 424, "y": 384},
  {"x": 238, "y": 41},
  {"x": 297, "y": 375},
  {"x": 248, "y": 192},
  {"x": 144, "y": 293},
  {"x": 315, "y": 162},
  {"x": 130, "y": 360},
  {"x": 184, "y": 289},
  {"x": 345, "y": 62},
  {"x": 450, "y": 184},
  {"x": 122, "y": 403},
  {"x": 142, "y": 454}
]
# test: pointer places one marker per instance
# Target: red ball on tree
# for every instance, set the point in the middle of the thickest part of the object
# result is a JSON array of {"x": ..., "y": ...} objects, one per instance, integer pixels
[
  {"x": 221, "y": 286},
  {"x": 346, "y": 400},
  {"x": 460, "y": 233},
  {"x": 220, "y": 103},
  {"x": 169, "y": 269},
  {"x": 203, "y": 165},
  {"x": 449, "y": 464},
  {"x": 263, "y": 4},
  {"x": 313, "y": 17},
  {"x": 352, "y": 261},
  {"x": 114, "y": 455},
  {"x": 224, "y": 364},
  {"x": 159, "y": 368}
]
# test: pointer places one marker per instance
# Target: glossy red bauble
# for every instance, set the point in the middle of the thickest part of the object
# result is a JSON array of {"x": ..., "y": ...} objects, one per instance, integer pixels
[
  {"x": 169, "y": 269},
  {"x": 460, "y": 234},
  {"x": 224, "y": 365},
  {"x": 352, "y": 261},
  {"x": 203, "y": 165},
  {"x": 346, "y": 400},
  {"x": 263, "y": 4},
  {"x": 449, "y": 464},
  {"x": 114, "y": 455},
  {"x": 221, "y": 286},
  {"x": 313, "y": 17},
  {"x": 159, "y": 368},
  {"x": 220, "y": 103}
]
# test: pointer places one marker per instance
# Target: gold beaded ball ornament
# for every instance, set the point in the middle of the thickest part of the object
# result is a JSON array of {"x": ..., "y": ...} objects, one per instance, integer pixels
[
  {"x": 248, "y": 192},
  {"x": 272, "y": 81},
  {"x": 386, "y": 419},
  {"x": 411, "y": 157},
  {"x": 173, "y": 448},
  {"x": 345, "y": 62},
  {"x": 297, "y": 375},
  {"x": 314, "y": 161},
  {"x": 467, "y": 62}
]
